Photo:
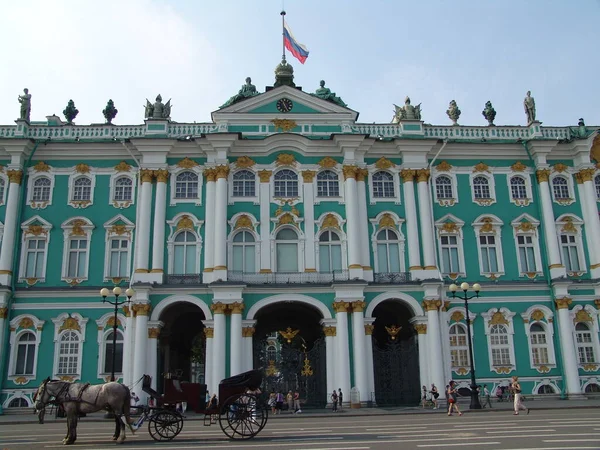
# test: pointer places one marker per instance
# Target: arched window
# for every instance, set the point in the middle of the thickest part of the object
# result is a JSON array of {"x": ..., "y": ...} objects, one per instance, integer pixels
[
  {"x": 186, "y": 185},
  {"x": 443, "y": 187},
  {"x": 286, "y": 245},
  {"x": 383, "y": 185},
  {"x": 25, "y": 354},
  {"x": 388, "y": 251},
  {"x": 18, "y": 402},
  {"x": 184, "y": 252},
  {"x": 545, "y": 389},
  {"x": 560, "y": 187},
  {"x": 585, "y": 346},
  {"x": 123, "y": 189},
  {"x": 518, "y": 188},
  {"x": 41, "y": 190},
  {"x": 286, "y": 184},
  {"x": 271, "y": 353},
  {"x": 459, "y": 349},
  {"x": 328, "y": 184},
  {"x": 330, "y": 252},
  {"x": 108, "y": 352},
  {"x": 68, "y": 353},
  {"x": 597, "y": 184},
  {"x": 82, "y": 189},
  {"x": 500, "y": 346},
  {"x": 539, "y": 344},
  {"x": 592, "y": 388},
  {"x": 481, "y": 188},
  {"x": 244, "y": 252},
  {"x": 244, "y": 184}
]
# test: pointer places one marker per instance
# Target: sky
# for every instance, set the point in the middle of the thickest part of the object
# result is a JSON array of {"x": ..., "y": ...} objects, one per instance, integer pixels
[{"x": 371, "y": 53}]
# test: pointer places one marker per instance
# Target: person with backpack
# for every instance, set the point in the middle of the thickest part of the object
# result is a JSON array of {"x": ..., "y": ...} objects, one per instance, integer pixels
[
  {"x": 434, "y": 395},
  {"x": 334, "y": 401}
]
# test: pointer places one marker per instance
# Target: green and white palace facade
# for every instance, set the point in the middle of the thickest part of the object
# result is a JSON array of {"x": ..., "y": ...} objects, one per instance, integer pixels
[{"x": 286, "y": 235}]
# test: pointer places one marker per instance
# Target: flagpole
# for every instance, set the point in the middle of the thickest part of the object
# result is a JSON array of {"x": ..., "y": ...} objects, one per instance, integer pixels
[{"x": 283, "y": 33}]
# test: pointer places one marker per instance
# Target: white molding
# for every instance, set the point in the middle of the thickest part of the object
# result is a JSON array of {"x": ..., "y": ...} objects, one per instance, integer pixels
[
  {"x": 58, "y": 333},
  {"x": 593, "y": 328},
  {"x": 300, "y": 243},
  {"x": 339, "y": 231},
  {"x": 496, "y": 223},
  {"x": 4, "y": 179},
  {"x": 173, "y": 232},
  {"x": 103, "y": 333},
  {"x": 67, "y": 227},
  {"x": 110, "y": 234},
  {"x": 34, "y": 175},
  {"x": 287, "y": 298},
  {"x": 402, "y": 297},
  {"x": 231, "y": 198},
  {"x": 394, "y": 172},
  {"x": 176, "y": 170},
  {"x": 534, "y": 239},
  {"x": 508, "y": 315},
  {"x": 25, "y": 237},
  {"x": 167, "y": 302},
  {"x": 341, "y": 199},
  {"x": 491, "y": 186},
  {"x": 548, "y": 327},
  {"x": 296, "y": 168},
  {"x": 453, "y": 184},
  {"x": 253, "y": 231},
  {"x": 567, "y": 176},
  {"x": 74, "y": 176},
  {"x": 114, "y": 176},
  {"x": 526, "y": 176},
  {"x": 399, "y": 222},
  {"x": 439, "y": 224},
  {"x": 577, "y": 222},
  {"x": 38, "y": 325}
]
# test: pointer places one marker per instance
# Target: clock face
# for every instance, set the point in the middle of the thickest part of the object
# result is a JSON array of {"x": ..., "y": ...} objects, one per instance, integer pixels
[{"x": 284, "y": 105}]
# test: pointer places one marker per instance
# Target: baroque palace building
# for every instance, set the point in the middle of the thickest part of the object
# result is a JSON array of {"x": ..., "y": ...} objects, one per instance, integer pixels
[{"x": 285, "y": 235}]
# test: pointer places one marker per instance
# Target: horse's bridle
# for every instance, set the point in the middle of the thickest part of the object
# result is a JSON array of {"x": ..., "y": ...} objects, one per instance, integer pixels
[{"x": 39, "y": 405}]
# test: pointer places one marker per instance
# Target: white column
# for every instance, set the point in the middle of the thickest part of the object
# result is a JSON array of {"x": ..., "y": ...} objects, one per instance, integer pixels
[
  {"x": 10, "y": 226},
  {"x": 434, "y": 347},
  {"x": 265, "y": 221},
  {"x": 160, "y": 209},
  {"x": 411, "y": 214},
  {"x": 592, "y": 221},
  {"x": 342, "y": 370},
  {"x": 309, "y": 221},
  {"x": 352, "y": 223},
  {"x": 221, "y": 223},
  {"x": 219, "y": 343},
  {"x": 330, "y": 352},
  {"x": 209, "y": 224},
  {"x": 421, "y": 328},
  {"x": 3, "y": 323},
  {"x": 426, "y": 220},
  {"x": 128, "y": 337},
  {"x": 369, "y": 362},
  {"x": 248, "y": 336},
  {"x": 556, "y": 267},
  {"x": 152, "y": 357},
  {"x": 236, "y": 362},
  {"x": 208, "y": 361},
  {"x": 141, "y": 311},
  {"x": 445, "y": 336},
  {"x": 142, "y": 241},
  {"x": 567, "y": 346},
  {"x": 363, "y": 217},
  {"x": 361, "y": 378}
]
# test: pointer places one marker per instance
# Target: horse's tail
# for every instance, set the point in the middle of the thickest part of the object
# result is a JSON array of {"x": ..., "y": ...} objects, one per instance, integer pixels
[{"x": 127, "y": 410}]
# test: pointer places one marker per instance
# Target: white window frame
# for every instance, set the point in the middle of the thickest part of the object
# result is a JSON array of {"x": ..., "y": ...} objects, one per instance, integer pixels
[
  {"x": 122, "y": 204},
  {"x": 71, "y": 231},
  {"x": 491, "y": 187},
  {"x": 528, "y": 231},
  {"x": 454, "y": 185},
  {"x": 594, "y": 331},
  {"x": 104, "y": 329},
  {"x": 489, "y": 225},
  {"x": 291, "y": 200},
  {"x": 442, "y": 231},
  {"x": 597, "y": 185},
  {"x": 342, "y": 244},
  {"x": 467, "y": 366},
  {"x": 300, "y": 242},
  {"x": 340, "y": 182},
  {"x": 525, "y": 176},
  {"x": 73, "y": 177},
  {"x": 4, "y": 193},
  {"x": 16, "y": 331},
  {"x": 233, "y": 198},
  {"x": 508, "y": 316},
  {"x": 397, "y": 228},
  {"x": 59, "y": 330},
  {"x": 174, "y": 172},
  {"x": 231, "y": 245},
  {"x": 569, "y": 178},
  {"x": 319, "y": 223},
  {"x": 174, "y": 229},
  {"x": 395, "y": 182},
  {"x": 33, "y": 176},
  {"x": 546, "y": 324},
  {"x": 563, "y": 225},
  {"x": 34, "y": 228},
  {"x": 117, "y": 227}
]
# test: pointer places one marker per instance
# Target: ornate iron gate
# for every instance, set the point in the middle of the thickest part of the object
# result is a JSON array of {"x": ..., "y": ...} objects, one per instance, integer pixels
[
  {"x": 396, "y": 372},
  {"x": 289, "y": 368}
]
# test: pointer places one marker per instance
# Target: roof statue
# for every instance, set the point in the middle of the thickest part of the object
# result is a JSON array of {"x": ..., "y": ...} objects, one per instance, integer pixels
[
  {"x": 326, "y": 94},
  {"x": 159, "y": 110},
  {"x": 70, "y": 112},
  {"x": 246, "y": 91},
  {"x": 453, "y": 112},
  {"x": 529, "y": 105},
  {"x": 284, "y": 74},
  {"x": 110, "y": 111},
  {"x": 489, "y": 113},
  {"x": 406, "y": 112},
  {"x": 25, "y": 101},
  {"x": 581, "y": 132}
]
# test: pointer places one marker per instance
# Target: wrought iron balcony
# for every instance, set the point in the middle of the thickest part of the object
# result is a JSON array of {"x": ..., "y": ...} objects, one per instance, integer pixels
[
  {"x": 194, "y": 278},
  {"x": 287, "y": 277},
  {"x": 391, "y": 277}
]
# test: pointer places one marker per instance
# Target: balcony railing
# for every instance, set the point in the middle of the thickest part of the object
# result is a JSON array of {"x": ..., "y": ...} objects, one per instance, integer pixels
[
  {"x": 287, "y": 277},
  {"x": 195, "y": 278},
  {"x": 391, "y": 277}
]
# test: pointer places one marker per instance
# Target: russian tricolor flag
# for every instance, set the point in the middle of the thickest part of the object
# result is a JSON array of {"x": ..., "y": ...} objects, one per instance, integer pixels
[{"x": 295, "y": 48}]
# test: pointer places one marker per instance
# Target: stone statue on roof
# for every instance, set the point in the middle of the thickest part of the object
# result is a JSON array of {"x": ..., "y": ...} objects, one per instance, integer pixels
[
  {"x": 406, "y": 112},
  {"x": 326, "y": 94},
  {"x": 158, "y": 110},
  {"x": 25, "y": 101},
  {"x": 529, "y": 106},
  {"x": 246, "y": 91}
]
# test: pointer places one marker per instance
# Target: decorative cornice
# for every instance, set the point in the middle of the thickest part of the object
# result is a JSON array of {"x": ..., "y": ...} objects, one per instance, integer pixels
[
  {"x": 542, "y": 175},
  {"x": 563, "y": 303},
  {"x": 432, "y": 305},
  {"x": 243, "y": 162},
  {"x": 187, "y": 163},
  {"x": 308, "y": 175},
  {"x": 265, "y": 176}
]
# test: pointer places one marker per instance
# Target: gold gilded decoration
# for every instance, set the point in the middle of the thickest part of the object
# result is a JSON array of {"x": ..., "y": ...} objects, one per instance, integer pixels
[
  {"x": 21, "y": 380},
  {"x": 487, "y": 226},
  {"x": 3, "y": 313},
  {"x": 457, "y": 316},
  {"x": 590, "y": 367},
  {"x": 122, "y": 167},
  {"x": 587, "y": 174},
  {"x": 531, "y": 275},
  {"x": 308, "y": 175},
  {"x": 560, "y": 167},
  {"x": 444, "y": 166},
  {"x": 209, "y": 332},
  {"x": 222, "y": 171},
  {"x": 111, "y": 322},
  {"x": 481, "y": 167},
  {"x": 265, "y": 176},
  {"x": 361, "y": 174},
  {"x": 117, "y": 280},
  {"x": 542, "y": 175},
  {"x": 119, "y": 229},
  {"x": 126, "y": 311},
  {"x": 77, "y": 227},
  {"x": 421, "y": 328},
  {"x": 387, "y": 221},
  {"x": 82, "y": 168},
  {"x": 432, "y": 305},
  {"x": 349, "y": 172},
  {"x": 31, "y": 281},
  {"x": 284, "y": 125},
  {"x": 504, "y": 370},
  {"x": 538, "y": 315},
  {"x": 67, "y": 378},
  {"x": 330, "y": 221},
  {"x": 446, "y": 305},
  {"x": 568, "y": 226},
  {"x": 141, "y": 309},
  {"x": 210, "y": 175},
  {"x": 236, "y": 307},
  {"x": 285, "y": 159},
  {"x": 286, "y": 219},
  {"x": 306, "y": 370},
  {"x": 187, "y": 163},
  {"x": 525, "y": 226},
  {"x": 358, "y": 306},
  {"x": 369, "y": 329},
  {"x": 243, "y": 221},
  {"x": 70, "y": 323},
  {"x": 595, "y": 150},
  {"x": 582, "y": 316},
  {"x": 146, "y": 175},
  {"x": 15, "y": 176},
  {"x": 243, "y": 162},
  {"x": 393, "y": 330},
  {"x": 36, "y": 230},
  {"x": 408, "y": 175},
  {"x": 327, "y": 163},
  {"x": 384, "y": 163},
  {"x": 185, "y": 223},
  {"x": 289, "y": 334},
  {"x": 543, "y": 369},
  {"x": 422, "y": 175},
  {"x": 450, "y": 227},
  {"x": 339, "y": 307},
  {"x": 329, "y": 331},
  {"x": 248, "y": 331},
  {"x": 497, "y": 319},
  {"x": 162, "y": 175},
  {"x": 461, "y": 371},
  {"x": 578, "y": 178},
  {"x": 518, "y": 167},
  {"x": 563, "y": 303},
  {"x": 41, "y": 167},
  {"x": 153, "y": 333},
  {"x": 271, "y": 369},
  {"x": 26, "y": 322},
  {"x": 218, "y": 308},
  {"x": 597, "y": 303}
]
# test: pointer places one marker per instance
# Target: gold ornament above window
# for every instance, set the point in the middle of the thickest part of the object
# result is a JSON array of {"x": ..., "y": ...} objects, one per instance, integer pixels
[
  {"x": 457, "y": 316},
  {"x": 82, "y": 168},
  {"x": 450, "y": 227},
  {"x": 185, "y": 223},
  {"x": 328, "y": 162},
  {"x": 285, "y": 159},
  {"x": 289, "y": 334},
  {"x": 444, "y": 166},
  {"x": 569, "y": 227},
  {"x": 582, "y": 316},
  {"x": 498, "y": 318},
  {"x": 387, "y": 221},
  {"x": 525, "y": 226},
  {"x": 537, "y": 315},
  {"x": 36, "y": 230},
  {"x": 119, "y": 229},
  {"x": 70, "y": 323},
  {"x": 518, "y": 167},
  {"x": 243, "y": 221},
  {"x": 122, "y": 167},
  {"x": 481, "y": 167},
  {"x": 560, "y": 167},
  {"x": 187, "y": 163},
  {"x": 384, "y": 163},
  {"x": 77, "y": 227},
  {"x": 41, "y": 167},
  {"x": 330, "y": 221},
  {"x": 393, "y": 330},
  {"x": 487, "y": 226},
  {"x": 243, "y": 162},
  {"x": 26, "y": 322},
  {"x": 284, "y": 125}
]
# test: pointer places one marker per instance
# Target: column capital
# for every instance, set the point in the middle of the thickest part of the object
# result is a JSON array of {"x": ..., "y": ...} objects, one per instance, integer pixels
[
  {"x": 432, "y": 305},
  {"x": 542, "y": 175},
  {"x": 209, "y": 332},
  {"x": 153, "y": 333},
  {"x": 563, "y": 303},
  {"x": 361, "y": 174},
  {"x": 210, "y": 174},
  {"x": 162, "y": 175},
  {"x": 421, "y": 328},
  {"x": 141, "y": 309},
  {"x": 446, "y": 305},
  {"x": 218, "y": 308},
  {"x": 265, "y": 175},
  {"x": 236, "y": 307},
  {"x": 222, "y": 171},
  {"x": 15, "y": 176},
  {"x": 350, "y": 172},
  {"x": 358, "y": 306},
  {"x": 329, "y": 331},
  {"x": 339, "y": 307},
  {"x": 369, "y": 329},
  {"x": 127, "y": 311},
  {"x": 308, "y": 175},
  {"x": 248, "y": 331},
  {"x": 146, "y": 175},
  {"x": 3, "y": 313},
  {"x": 408, "y": 175},
  {"x": 423, "y": 175},
  {"x": 586, "y": 174}
]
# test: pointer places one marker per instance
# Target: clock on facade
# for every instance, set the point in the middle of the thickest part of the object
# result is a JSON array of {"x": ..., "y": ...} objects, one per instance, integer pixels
[{"x": 284, "y": 105}]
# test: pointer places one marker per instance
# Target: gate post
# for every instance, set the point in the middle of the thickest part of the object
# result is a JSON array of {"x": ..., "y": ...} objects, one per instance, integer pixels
[
  {"x": 343, "y": 351},
  {"x": 421, "y": 329},
  {"x": 434, "y": 342},
  {"x": 361, "y": 378},
  {"x": 330, "y": 332}
]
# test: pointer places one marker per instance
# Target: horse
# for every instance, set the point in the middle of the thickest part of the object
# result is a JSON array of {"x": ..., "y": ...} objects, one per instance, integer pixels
[{"x": 78, "y": 398}]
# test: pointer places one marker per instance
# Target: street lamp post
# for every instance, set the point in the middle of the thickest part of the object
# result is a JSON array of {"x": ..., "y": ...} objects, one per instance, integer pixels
[
  {"x": 117, "y": 291},
  {"x": 475, "y": 404}
]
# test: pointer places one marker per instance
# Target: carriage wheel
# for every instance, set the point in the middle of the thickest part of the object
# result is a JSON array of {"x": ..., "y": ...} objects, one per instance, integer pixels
[
  {"x": 165, "y": 425},
  {"x": 242, "y": 417}
]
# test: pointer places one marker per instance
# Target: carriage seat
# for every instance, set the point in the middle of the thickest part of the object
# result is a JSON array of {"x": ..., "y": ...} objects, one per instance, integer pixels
[
  {"x": 147, "y": 387},
  {"x": 250, "y": 380}
]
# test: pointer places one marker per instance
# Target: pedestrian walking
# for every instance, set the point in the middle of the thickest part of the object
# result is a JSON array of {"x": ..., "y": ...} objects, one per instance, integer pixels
[
  {"x": 434, "y": 395},
  {"x": 279, "y": 402},
  {"x": 487, "y": 398},
  {"x": 272, "y": 401},
  {"x": 340, "y": 397},
  {"x": 516, "y": 388},
  {"x": 453, "y": 398},
  {"x": 424, "y": 397},
  {"x": 334, "y": 401},
  {"x": 290, "y": 402},
  {"x": 297, "y": 408}
]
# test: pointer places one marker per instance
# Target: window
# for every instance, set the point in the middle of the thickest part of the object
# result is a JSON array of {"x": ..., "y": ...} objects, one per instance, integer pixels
[
  {"x": 481, "y": 188},
  {"x": 518, "y": 188},
  {"x": 35, "y": 257},
  {"x": 68, "y": 355},
  {"x": 123, "y": 190},
  {"x": 286, "y": 184},
  {"x": 545, "y": 389},
  {"x": 330, "y": 252},
  {"x": 560, "y": 188},
  {"x": 244, "y": 184},
  {"x": 26, "y": 346},
  {"x": 186, "y": 185},
  {"x": 459, "y": 350},
  {"x": 585, "y": 346},
  {"x": 328, "y": 184},
  {"x": 41, "y": 189},
  {"x": 539, "y": 345},
  {"x": 443, "y": 187},
  {"x": 527, "y": 254},
  {"x": 82, "y": 189},
  {"x": 597, "y": 184},
  {"x": 108, "y": 353},
  {"x": 77, "y": 259},
  {"x": 569, "y": 233},
  {"x": 570, "y": 252},
  {"x": 18, "y": 402},
  {"x": 592, "y": 388},
  {"x": 500, "y": 346},
  {"x": 383, "y": 185},
  {"x": 286, "y": 245},
  {"x": 185, "y": 253},
  {"x": 271, "y": 353},
  {"x": 388, "y": 252},
  {"x": 489, "y": 256},
  {"x": 2, "y": 189},
  {"x": 244, "y": 252},
  {"x": 450, "y": 254},
  {"x": 118, "y": 258}
]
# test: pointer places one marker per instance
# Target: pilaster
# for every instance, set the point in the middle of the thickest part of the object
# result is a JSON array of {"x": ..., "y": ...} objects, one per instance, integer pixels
[
  {"x": 355, "y": 268},
  {"x": 363, "y": 217},
  {"x": 220, "y": 268},
  {"x": 309, "y": 219},
  {"x": 209, "y": 229},
  {"x": 430, "y": 269},
  {"x": 265, "y": 221},
  {"x": 15, "y": 177},
  {"x": 411, "y": 214},
  {"x": 158, "y": 236}
]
